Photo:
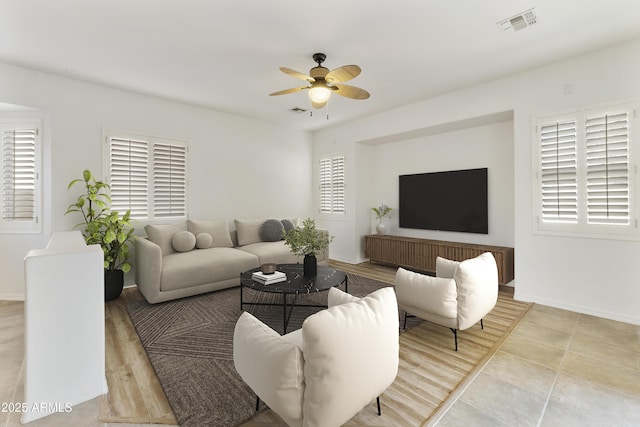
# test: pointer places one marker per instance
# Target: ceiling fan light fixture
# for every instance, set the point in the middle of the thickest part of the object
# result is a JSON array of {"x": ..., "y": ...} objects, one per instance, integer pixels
[{"x": 319, "y": 93}]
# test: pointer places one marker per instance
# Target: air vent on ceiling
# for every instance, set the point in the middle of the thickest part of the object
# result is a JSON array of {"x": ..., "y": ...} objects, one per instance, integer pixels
[
  {"x": 519, "y": 21},
  {"x": 298, "y": 110}
]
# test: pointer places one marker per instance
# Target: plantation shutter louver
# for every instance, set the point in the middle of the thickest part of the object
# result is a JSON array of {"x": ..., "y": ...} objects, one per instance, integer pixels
[
  {"x": 19, "y": 175},
  {"x": 129, "y": 176},
  {"x": 607, "y": 161},
  {"x": 325, "y": 186},
  {"x": 169, "y": 180},
  {"x": 558, "y": 172},
  {"x": 332, "y": 185},
  {"x": 338, "y": 184}
]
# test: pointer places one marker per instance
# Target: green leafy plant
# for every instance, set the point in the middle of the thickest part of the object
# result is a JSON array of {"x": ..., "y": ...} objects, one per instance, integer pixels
[
  {"x": 307, "y": 240},
  {"x": 101, "y": 225},
  {"x": 383, "y": 211}
]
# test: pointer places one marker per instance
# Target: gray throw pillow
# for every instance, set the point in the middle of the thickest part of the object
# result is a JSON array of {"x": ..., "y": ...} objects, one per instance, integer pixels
[
  {"x": 288, "y": 225},
  {"x": 271, "y": 230}
]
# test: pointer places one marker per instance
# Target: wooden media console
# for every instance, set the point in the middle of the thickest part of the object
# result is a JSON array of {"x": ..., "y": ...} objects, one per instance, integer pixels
[{"x": 421, "y": 254}]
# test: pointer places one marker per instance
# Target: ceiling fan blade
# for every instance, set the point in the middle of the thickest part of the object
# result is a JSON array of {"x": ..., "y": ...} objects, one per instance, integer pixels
[
  {"x": 286, "y": 91},
  {"x": 343, "y": 74},
  {"x": 297, "y": 75},
  {"x": 351, "y": 91}
]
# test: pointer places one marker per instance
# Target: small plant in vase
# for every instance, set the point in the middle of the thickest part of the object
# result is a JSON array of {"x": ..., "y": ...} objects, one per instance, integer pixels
[
  {"x": 105, "y": 228},
  {"x": 383, "y": 211},
  {"x": 307, "y": 241}
]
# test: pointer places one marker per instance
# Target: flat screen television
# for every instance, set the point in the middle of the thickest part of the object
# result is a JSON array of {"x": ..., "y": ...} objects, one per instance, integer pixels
[{"x": 445, "y": 201}]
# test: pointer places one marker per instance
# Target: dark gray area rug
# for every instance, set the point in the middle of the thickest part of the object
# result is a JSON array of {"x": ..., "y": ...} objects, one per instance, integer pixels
[{"x": 190, "y": 345}]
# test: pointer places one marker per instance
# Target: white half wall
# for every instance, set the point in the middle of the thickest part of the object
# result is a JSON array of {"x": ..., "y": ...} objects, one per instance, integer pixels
[
  {"x": 593, "y": 276},
  {"x": 238, "y": 167}
]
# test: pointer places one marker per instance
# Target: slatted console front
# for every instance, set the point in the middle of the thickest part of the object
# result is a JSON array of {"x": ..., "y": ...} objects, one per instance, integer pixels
[{"x": 421, "y": 254}]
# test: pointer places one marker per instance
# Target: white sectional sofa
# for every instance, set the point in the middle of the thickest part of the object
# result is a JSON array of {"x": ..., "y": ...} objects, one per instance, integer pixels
[{"x": 196, "y": 256}]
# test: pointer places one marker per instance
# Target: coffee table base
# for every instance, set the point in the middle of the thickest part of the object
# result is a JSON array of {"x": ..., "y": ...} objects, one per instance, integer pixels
[{"x": 289, "y": 288}]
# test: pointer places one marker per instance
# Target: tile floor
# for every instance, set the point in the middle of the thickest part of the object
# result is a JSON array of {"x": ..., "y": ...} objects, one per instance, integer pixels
[{"x": 558, "y": 368}]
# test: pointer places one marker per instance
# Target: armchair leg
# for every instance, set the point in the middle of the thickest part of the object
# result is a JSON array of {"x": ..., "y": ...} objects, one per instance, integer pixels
[
  {"x": 455, "y": 336},
  {"x": 481, "y": 324},
  {"x": 378, "y": 402},
  {"x": 257, "y": 403},
  {"x": 404, "y": 326}
]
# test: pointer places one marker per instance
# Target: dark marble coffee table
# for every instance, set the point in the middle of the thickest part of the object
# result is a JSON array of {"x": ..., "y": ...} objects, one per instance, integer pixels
[{"x": 295, "y": 285}]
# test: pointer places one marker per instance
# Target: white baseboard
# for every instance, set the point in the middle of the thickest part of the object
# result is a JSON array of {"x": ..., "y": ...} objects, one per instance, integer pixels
[
  {"x": 635, "y": 320},
  {"x": 11, "y": 297}
]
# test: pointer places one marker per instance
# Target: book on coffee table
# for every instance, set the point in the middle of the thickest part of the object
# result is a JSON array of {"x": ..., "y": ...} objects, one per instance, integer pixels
[{"x": 275, "y": 277}]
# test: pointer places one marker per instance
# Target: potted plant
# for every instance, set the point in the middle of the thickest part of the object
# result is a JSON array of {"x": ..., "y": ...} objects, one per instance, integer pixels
[
  {"x": 307, "y": 241},
  {"x": 106, "y": 228},
  {"x": 383, "y": 211}
]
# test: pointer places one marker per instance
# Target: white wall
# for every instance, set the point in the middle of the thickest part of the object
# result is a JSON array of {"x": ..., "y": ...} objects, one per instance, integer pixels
[
  {"x": 238, "y": 167},
  {"x": 489, "y": 146},
  {"x": 593, "y": 276}
]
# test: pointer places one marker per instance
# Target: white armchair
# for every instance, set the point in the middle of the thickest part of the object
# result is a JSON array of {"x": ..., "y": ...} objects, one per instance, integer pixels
[
  {"x": 460, "y": 295},
  {"x": 323, "y": 374}
]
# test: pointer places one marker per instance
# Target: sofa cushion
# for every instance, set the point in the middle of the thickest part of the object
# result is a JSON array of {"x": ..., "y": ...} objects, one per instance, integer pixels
[
  {"x": 276, "y": 252},
  {"x": 204, "y": 241},
  {"x": 218, "y": 229},
  {"x": 183, "y": 241},
  {"x": 446, "y": 267},
  {"x": 271, "y": 230},
  {"x": 350, "y": 357},
  {"x": 183, "y": 270},
  {"x": 162, "y": 235},
  {"x": 248, "y": 230},
  {"x": 272, "y": 365},
  {"x": 435, "y": 295}
]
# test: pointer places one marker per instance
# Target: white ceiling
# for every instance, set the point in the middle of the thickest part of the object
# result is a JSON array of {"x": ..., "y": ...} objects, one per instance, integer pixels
[{"x": 225, "y": 54}]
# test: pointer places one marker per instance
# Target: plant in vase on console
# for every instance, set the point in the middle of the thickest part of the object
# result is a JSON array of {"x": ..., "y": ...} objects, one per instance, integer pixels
[
  {"x": 105, "y": 228},
  {"x": 383, "y": 211},
  {"x": 307, "y": 241}
]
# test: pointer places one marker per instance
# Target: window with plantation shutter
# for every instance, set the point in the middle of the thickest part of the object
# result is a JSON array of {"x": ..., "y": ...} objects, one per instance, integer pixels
[
  {"x": 148, "y": 176},
  {"x": 169, "y": 180},
  {"x": 332, "y": 185},
  {"x": 21, "y": 188},
  {"x": 129, "y": 182},
  {"x": 586, "y": 174},
  {"x": 558, "y": 172},
  {"x": 607, "y": 152}
]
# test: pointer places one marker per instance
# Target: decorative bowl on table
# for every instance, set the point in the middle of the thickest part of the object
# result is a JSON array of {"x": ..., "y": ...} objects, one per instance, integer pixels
[{"x": 268, "y": 268}]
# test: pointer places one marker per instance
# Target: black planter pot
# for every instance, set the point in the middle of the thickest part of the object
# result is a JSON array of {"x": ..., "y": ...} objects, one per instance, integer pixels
[
  {"x": 310, "y": 266},
  {"x": 113, "y": 284}
]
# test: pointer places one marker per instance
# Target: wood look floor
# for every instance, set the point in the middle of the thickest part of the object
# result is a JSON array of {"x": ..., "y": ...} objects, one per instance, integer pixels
[{"x": 135, "y": 395}]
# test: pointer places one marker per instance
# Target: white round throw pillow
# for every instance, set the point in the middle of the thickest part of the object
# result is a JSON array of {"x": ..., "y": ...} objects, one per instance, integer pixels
[
  {"x": 204, "y": 240},
  {"x": 183, "y": 241}
]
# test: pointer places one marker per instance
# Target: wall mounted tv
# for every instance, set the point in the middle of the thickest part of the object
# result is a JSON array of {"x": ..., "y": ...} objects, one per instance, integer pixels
[{"x": 445, "y": 201}]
